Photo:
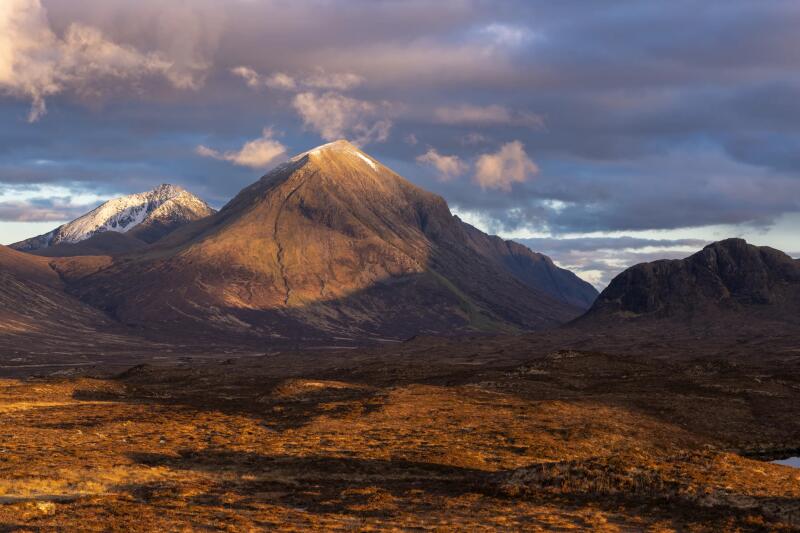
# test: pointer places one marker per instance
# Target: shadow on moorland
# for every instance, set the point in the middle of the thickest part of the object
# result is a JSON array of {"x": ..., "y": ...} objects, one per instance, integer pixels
[{"x": 326, "y": 485}]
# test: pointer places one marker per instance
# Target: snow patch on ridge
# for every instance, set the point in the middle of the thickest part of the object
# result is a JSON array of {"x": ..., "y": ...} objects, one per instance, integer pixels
[
  {"x": 340, "y": 146},
  {"x": 369, "y": 161}
]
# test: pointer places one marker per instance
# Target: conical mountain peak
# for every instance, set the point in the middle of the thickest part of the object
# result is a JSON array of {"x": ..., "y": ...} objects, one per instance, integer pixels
[
  {"x": 334, "y": 243},
  {"x": 339, "y": 144},
  {"x": 339, "y": 152},
  {"x": 166, "y": 190}
]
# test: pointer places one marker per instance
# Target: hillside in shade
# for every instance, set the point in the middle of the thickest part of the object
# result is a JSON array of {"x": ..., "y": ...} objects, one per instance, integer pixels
[
  {"x": 727, "y": 279},
  {"x": 33, "y": 304}
]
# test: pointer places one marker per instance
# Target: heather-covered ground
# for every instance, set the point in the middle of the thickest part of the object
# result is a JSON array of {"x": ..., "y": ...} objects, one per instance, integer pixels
[{"x": 490, "y": 435}]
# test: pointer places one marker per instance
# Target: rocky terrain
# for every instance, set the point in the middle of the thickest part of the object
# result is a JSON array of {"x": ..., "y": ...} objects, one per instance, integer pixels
[
  {"x": 534, "y": 269},
  {"x": 727, "y": 281}
]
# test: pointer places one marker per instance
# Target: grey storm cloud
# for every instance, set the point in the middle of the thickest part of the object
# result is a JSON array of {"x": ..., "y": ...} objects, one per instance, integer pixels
[{"x": 637, "y": 116}]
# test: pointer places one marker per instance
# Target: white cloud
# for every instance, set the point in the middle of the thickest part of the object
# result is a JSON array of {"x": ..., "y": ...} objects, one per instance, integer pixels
[
  {"x": 257, "y": 153},
  {"x": 320, "y": 79},
  {"x": 279, "y": 80},
  {"x": 507, "y": 35},
  {"x": 449, "y": 166},
  {"x": 45, "y": 203},
  {"x": 335, "y": 116},
  {"x": 330, "y": 113},
  {"x": 473, "y": 138},
  {"x": 35, "y": 63},
  {"x": 276, "y": 80},
  {"x": 28, "y": 212},
  {"x": 491, "y": 114},
  {"x": 340, "y": 81},
  {"x": 250, "y": 76},
  {"x": 504, "y": 168}
]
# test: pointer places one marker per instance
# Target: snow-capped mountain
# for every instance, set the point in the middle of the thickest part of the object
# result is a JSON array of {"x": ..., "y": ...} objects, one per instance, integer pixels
[{"x": 146, "y": 216}]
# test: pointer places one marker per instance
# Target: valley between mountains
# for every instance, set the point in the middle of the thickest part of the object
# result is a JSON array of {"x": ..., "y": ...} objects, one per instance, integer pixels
[{"x": 333, "y": 349}]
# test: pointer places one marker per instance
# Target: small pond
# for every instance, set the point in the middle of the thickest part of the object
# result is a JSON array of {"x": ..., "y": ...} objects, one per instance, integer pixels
[{"x": 791, "y": 461}]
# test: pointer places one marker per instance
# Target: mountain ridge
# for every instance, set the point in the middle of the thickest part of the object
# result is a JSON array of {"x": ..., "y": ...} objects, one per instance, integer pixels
[
  {"x": 330, "y": 242},
  {"x": 729, "y": 277},
  {"x": 534, "y": 268},
  {"x": 146, "y": 216}
]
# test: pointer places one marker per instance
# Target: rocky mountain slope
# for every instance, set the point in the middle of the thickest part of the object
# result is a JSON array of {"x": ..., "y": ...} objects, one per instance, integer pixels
[
  {"x": 33, "y": 304},
  {"x": 534, "y": 269},
  {"x": 146, "y": 216},
  {"x": 330, "y": 244},
  {"x": 729, "y": 278},
  {"x": 106, "y": 243}
]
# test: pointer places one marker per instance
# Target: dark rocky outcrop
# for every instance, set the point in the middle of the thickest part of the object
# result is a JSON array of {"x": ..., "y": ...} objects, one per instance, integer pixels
[{"x": 730, "y": 277}]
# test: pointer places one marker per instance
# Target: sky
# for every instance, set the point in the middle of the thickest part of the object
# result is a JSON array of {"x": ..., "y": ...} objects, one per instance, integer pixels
[{"x": 603, "y": 134}]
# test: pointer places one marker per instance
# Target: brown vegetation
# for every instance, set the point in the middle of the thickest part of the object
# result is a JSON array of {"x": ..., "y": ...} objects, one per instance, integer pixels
[{"x": 490, "y": 435}]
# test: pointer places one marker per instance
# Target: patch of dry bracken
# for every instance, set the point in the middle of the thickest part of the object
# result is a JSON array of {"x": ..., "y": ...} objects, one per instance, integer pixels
[{"x": 569, "y": 440}]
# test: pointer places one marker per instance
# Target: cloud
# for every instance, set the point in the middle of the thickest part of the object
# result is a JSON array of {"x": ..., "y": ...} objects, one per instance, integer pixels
[
  {"x": 340, "y": 81},
  {"x": 44, "y": 204},
  {"x": 35, "y": 63},
  {"x": 643, "y": 131},
  {"x": 488, "y": 115},
  {"x": 28, "y": 212},
  {"x": 473, "y": 138},
  {"x": 320, "y": 79},
  {"x": 257, "y": 153},
  {"x": 276, "y": 80},
  {"x": 600, "y": 259},
  {"x": 335, "y": 116},
  {"x": 591, "y": 244},
  {"x": 449, "y": 166},
  {"x": 507, "y": 166},
  {"x": 279, "y": 80},
  {"x": 508, "y": 35},
  {"x": 331, "y": 114},
  {"x": 250, "y": 76}
]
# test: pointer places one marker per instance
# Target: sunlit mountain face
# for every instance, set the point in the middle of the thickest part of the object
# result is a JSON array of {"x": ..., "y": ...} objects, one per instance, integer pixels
[{"x": 603, "y": 140}]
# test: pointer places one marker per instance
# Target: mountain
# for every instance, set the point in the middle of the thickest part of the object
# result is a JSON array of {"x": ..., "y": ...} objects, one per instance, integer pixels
[
  {"x": 33, "y": 304},
  {"x": 329, "y": 244},
  {"x": 146, "y": 216},
  {"x": 534, "y": 269},
  {"x": 730, "y": 278},
  {"x": 108, "y": 243}
]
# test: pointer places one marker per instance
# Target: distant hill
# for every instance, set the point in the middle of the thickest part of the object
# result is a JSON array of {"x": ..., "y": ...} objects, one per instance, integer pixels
[
  {"x": 145, "y": 217},
  {"x": 727, "y": 279},
  {"x": 33, "y": 302},
  {"x": 332, "y": 244},
  {"x": 108, "y": 243}
]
